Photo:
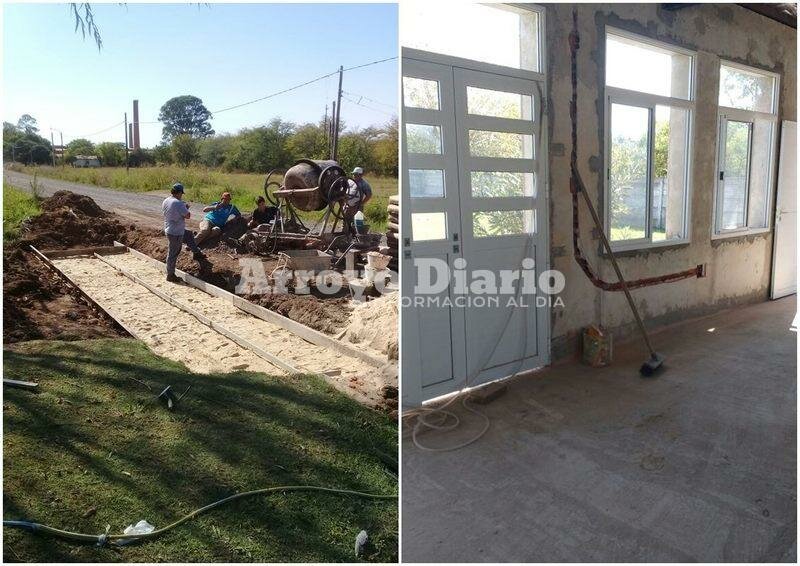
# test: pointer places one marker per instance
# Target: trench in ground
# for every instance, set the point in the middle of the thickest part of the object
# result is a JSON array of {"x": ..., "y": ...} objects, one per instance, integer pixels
[{"x": 177, "y": 335}]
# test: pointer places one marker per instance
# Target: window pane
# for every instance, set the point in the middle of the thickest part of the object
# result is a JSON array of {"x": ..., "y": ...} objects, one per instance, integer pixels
[
  {"x": 734, "y": 183},
  {"x": 420, "y": 93},
  {"x": 421, "y": 138},
  {"x": 670, "y": 161},
  {"x": 426, "y": 183},
  {"x": 502, "y": 184},
  {"x": 441, "y": 28},
  {"x": 500, "y": 104},
  {"x": 428, "y": 226},
  {"x": 500, "y": 144},
  {"x": 502, "y": 223},
  {"x": 643, "y": 67},
  {"x": 745, "y": 90},
  {"x": 760, "y": 161},
  {"x": 627, "y": 199}
]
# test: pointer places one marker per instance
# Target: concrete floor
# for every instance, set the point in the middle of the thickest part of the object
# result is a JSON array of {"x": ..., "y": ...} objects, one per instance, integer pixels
[{"x": 581, "y": 464}]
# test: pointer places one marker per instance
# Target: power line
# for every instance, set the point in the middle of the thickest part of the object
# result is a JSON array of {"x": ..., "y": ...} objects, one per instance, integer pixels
[
  {"x": 371, "y": 63},
  {"x": 368, "y": 107},
  {"x": 392, "y": 106},
  {"x": 99, "y": 132},
  {"x": 274, "y": 94},
  {"x": 295, "y": 87}
]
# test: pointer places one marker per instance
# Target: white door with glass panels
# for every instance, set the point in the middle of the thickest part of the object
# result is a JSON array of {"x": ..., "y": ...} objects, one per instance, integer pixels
[
  {"x": 473, "y": 197},
  {"x": 784, "y": 254}
]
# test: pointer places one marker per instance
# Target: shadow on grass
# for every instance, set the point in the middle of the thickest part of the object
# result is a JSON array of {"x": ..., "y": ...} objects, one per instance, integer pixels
[{"x": 95, "y": 447}]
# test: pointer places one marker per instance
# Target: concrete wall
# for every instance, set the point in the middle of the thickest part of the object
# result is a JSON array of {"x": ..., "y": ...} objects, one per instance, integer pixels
[{"x": 738, "y": 269}]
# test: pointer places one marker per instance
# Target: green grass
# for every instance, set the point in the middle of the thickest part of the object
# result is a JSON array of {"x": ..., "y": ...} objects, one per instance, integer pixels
[
  {"x": 94, "y": 438},
  {"x": 205, "y": 185},
  {"x": 17, "y": 206}
]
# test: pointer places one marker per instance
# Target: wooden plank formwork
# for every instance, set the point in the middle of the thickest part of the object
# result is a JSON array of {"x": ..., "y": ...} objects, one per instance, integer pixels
[{"x": 296, "y": 328}]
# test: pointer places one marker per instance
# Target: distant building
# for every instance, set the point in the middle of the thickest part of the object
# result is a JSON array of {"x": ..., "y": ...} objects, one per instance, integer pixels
[{"x": 86, "y": 161}]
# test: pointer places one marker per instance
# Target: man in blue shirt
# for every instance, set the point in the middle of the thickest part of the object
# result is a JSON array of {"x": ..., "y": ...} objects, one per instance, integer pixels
[
  {"x": 365, "y": 189},
  {"x": 217, "y": 215},
  {"x": 175, "y": 214}
]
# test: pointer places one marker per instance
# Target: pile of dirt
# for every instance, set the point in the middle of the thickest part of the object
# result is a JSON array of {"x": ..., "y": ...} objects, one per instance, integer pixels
[
  {"x": 325, "y": 315},
  {"x": 79, "y": 203},
  {"x": 68, "y": 220},
  {"x": 38, "y": 305},
  {"x": 373, "y": 325}
]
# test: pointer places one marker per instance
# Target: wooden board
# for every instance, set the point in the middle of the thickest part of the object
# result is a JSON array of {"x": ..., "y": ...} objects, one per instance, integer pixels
[
  {"x": 59, "y": 254},
  {"x": 90, "y": 301},
  {"x": 29, "y": 385},
  {"x": 296, "y": 328},
  {"x": 243, "y": 342}
]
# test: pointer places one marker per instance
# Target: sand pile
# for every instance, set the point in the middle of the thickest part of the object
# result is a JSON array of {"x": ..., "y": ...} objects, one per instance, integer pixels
[{"x": 374, "y": 325}]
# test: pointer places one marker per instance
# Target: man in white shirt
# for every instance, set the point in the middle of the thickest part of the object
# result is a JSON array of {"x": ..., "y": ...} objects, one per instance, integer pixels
[{"x": 175, "y": 214}]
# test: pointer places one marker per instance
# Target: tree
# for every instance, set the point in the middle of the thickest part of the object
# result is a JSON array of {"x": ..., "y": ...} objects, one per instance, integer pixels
[
  {"x": 628, "y": 168},
  {"x": 185, "y": 115},
  {"x": 309, "y": 140},
  {"x": 28, "y": 124},
  {"x": 261, "y": 149},
  {"x": 84, "y": 20},
  {"x": 111, "y": 154},
  {"x": 25, "y": 145},
  {"x": 77, "y": 147},
  {"x": 211, "y": 151},
  {"x": 354, "y": 151},
  {"x": 162, "y": 154},
  {"x": 384, "y": 150},
  {"x": 184, "y": 149},
  {"x": 661, "y": 155}
]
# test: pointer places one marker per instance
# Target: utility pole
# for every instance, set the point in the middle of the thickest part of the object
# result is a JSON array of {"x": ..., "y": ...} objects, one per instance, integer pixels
[
  {"x": 60, "y": 133},
  {"x": 127, "y": 161},
  {"x": 53, "y": 147},
  {"x": 330, "y": 130},
  {"x": 325, "y": 125},
  {"x": 338, "y": 112}
]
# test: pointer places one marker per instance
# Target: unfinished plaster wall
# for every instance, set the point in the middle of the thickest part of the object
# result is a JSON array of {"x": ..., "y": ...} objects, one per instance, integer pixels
[{"x": 738, "y": 269}]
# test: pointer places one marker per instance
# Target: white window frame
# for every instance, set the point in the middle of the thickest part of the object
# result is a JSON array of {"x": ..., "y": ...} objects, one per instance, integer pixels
[
  {"x": 617, "y": 95},
  {"x": 725, "y": 114}
]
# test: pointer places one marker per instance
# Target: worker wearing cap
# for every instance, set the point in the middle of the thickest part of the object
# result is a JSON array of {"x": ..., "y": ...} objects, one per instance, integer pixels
[
  {"x": 175, "y": 214},
  {"x": 361, "y": 183},
  {"x": 217, "y": 214}
]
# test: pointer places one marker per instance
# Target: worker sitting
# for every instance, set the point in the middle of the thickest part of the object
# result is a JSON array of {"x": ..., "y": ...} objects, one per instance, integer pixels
[
  {"x": 217, "y": 214},
  {"x": 260, "y": 221},
  {"x": 263, "y": 214}
]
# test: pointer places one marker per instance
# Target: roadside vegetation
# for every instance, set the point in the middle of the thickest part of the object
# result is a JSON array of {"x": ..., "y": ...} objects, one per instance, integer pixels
[
  {"x": 204, "y": 185},
  {"x": 17, "y": 206},
  {"x": 94, "y": 447}
]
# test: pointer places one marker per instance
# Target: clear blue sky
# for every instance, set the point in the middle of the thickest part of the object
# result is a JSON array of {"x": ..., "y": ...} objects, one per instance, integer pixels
[{"x": 224, "y": 53}]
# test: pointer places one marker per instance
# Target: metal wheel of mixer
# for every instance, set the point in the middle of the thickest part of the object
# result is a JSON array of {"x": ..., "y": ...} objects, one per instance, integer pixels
[
  {"x": 338, "y": 196},
  {"x": 271, "y": 185}
]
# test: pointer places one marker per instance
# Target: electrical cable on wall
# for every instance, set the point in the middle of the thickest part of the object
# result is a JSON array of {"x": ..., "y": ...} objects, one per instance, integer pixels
[{"x": 576, "y": 185}]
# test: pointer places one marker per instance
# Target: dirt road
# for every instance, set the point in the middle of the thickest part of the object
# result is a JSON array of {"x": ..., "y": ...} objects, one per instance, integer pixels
[{"x": 143, "y": 209}]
